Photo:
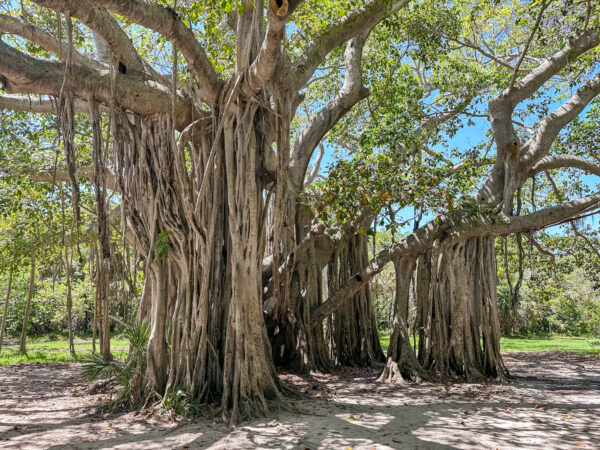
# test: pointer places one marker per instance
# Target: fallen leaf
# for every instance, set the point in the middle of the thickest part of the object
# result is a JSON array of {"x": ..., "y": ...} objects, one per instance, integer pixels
[
  {"x": 579, "y": 444},
  {"x": 352, "y": 418}
]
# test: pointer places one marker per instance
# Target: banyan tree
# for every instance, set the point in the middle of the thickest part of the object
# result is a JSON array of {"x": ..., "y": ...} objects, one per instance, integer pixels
[
  {"x": 205, "y": 163},
  {"x": 208, "y": 147},
  {"x": 446, "y": 269}
]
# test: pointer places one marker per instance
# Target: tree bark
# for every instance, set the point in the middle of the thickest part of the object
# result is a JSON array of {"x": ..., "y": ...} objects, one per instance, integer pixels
[
  {"x": 68, "y": 271},
  {"x": 6, "y": 302},
  {"x": 355, "y": 340},
  {"x": 22, "y": 341},
  {"x": 402, "y": 362}
]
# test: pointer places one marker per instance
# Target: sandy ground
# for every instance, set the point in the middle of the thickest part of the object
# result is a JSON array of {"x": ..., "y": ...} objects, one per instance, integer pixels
[{"x": 554, "y": 403}]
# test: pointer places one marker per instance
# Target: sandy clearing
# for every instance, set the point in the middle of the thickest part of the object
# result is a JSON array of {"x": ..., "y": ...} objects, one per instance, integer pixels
[{"x": 554, "y": 403}]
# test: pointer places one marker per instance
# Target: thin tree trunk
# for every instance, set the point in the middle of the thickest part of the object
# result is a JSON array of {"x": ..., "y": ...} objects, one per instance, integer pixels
[
  {"x": 22, "y": 348},
  {"x": 67, "y": 260},
  {"x": 68, "y": 273},
  {"x": 402, "y": 363},
  {"x": 6, "y": 302},
  {"x": 104, "y": 255}
]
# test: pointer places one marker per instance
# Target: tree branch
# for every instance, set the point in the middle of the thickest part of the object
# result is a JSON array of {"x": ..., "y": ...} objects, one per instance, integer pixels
[
  {"x": 538, "y": 20},
  {"x": 358, "y": 21},
  {"x": 351, "y": 93},
  {"x": 10, "y": 25},
  {"x": 166, "y": 22},
  {"x": 27, "y": 75},
  {"x": 312, "y": 176},
  {"x": 100, "y": 21},
  {"x": 563, "y": 162},
  {"x": 529, "y": 84},
  {"x": 38, "y": 105},
  {"x": 449, "y": 233},
  {"x": 550, "y": 126},
  {"x": 263, "y": 66}
]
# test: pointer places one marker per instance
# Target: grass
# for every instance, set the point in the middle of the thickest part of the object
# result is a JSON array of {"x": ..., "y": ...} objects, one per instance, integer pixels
[
  {"x": 534, "y": 344},
  {"x": 53, "y": 349},
  {"x": 549, "y": 344}
]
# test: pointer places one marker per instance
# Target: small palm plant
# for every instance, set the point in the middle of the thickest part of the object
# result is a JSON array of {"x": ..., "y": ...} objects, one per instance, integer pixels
[{"x": 129, "y": 373}]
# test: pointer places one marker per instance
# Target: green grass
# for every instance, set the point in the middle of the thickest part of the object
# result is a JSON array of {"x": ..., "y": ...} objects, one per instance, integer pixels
[
  {"x": 52, "y": 350},
  {"x": 533, "y": 344},
  {"x": 549, "y": 344}
]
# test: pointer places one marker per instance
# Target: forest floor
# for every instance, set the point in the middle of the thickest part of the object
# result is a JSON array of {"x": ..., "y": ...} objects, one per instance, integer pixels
[{"x": 553, "y": 403}]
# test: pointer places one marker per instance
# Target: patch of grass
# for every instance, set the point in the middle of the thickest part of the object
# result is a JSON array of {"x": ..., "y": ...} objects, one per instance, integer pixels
[
  {"x": 548, "y": 344},
  {"x": 532, "y": 344},
  {"x": 42, "y": 350},
  {"x": 384, "y": 338}
]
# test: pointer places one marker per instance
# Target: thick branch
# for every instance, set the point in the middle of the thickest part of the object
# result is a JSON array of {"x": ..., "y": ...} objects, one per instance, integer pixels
[
  {"x": 263, "y": 66},
  {"x": 355, "y": 23},
  {"x": 100, "y": 20},
  {"x": 166, "y": 22},
  {"x": 563, "y": 162},
  {"x": 37, "y": 105},
  {"x": 10, "y": 25},
  {"x": 351, "y": 93},
  {"x": 27, "y": 75},
  {"x": 449, "y": 233},
  {"x": 529, "y": 84},
  {"x": 62, "y": 176},
  {"x": 551, "y": 125},
  {"x": 502, "y": 107}
]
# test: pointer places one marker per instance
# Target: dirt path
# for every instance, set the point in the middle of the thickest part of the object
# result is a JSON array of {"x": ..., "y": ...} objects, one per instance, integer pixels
[{"x": 555, "y": 403}]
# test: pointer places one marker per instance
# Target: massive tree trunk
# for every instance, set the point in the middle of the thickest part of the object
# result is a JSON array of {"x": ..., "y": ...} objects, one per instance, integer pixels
[
  {"x": 296, "y": 344},
  {"x": 22, "y": 341},
  {"x": 465, "y": 298},
  {"x": 457, "y": 315},
  {"x": 196, "y": 210},
  {"x": 353, "y": 339}
]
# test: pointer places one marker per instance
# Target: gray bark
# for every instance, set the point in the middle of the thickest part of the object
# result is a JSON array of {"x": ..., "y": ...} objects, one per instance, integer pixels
[
  {"x": 23, "y": 339},
  {"x": 6, "y": 303}
]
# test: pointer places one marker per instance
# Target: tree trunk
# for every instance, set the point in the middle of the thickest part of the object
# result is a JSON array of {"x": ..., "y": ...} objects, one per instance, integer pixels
[
  {"x": 69, "y": 302},
  {"x": 6, "y": 302},
  {"x": 402, "y": 363},
  {"x": 465, "y": 332},
  {"x": 103, "y": 270},
  {"x": 457, "y": 315},
  {"x": 207, "y": 223},
  {"x": 157, "y": 364},
  {"x": 354, "y": 338},
  {"x": 295, "y": 343},
  {"x": 22, "y": 348}
]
